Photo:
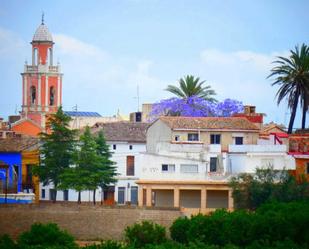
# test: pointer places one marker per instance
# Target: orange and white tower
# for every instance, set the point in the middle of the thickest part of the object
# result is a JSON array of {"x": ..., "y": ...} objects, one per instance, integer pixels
[{"x": 42, "y": 80}]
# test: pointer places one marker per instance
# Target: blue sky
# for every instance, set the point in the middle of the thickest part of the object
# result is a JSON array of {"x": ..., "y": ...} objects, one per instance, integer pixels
[{"x": 107, "y": 48}]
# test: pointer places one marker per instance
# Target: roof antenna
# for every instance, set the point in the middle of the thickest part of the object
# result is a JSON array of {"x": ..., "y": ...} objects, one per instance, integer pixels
[{"x": 42, "y": 17}]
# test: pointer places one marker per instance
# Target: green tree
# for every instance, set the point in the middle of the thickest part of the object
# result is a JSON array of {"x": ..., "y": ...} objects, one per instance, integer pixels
[
  {"x": 57, "y": 150},
  {"x": 252, "y": 190},
  {"x": 108, "y": 171},
  {"x": 292, "y": 76},
  {"x": 190, "y": 86},
  {"x": 93, "y": 167}
]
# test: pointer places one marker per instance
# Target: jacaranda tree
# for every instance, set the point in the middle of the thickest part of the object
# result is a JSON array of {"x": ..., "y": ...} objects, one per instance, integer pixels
[{"x": 195, "y": 106}]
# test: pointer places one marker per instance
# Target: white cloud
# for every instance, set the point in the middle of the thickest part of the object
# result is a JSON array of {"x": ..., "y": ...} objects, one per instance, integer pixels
[
  {"x": 69, "y": 45},
  {"x": 243, "y": 75},
  {"x": 10, "y": 43}
]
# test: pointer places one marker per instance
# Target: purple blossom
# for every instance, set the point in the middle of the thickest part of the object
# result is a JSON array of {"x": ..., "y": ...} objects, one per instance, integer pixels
[{"x": 195, "y": 107}]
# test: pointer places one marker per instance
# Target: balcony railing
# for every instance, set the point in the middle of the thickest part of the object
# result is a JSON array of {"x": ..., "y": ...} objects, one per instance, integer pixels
[
  {"x": 31, "y": 68},
  {"x": 54, "y": 69}
]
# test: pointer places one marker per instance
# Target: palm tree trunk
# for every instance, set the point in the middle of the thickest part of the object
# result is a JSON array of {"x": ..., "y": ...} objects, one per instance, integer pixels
[
  {"x": 305, "y": 109},
  {"x": 293, "y": 114},
  {"x": 94, "y": 196}
]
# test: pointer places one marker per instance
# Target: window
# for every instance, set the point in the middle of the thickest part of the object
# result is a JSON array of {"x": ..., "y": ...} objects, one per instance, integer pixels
[
  {"x": 168, "y": 167},
  {"x": 215, "y": 139},
  {"x": 131, "y": 147},
  {"x": 121, "y": 191},
  {"x": 114, "y": 146},
  {"x": 177, "y": 138},
  {"x": 138, "y": 117},
  {"x": 43, "y": 193},
  {"x": 188, "y": 168},
  {"x": 193, "y": 137},
  {"x": 33, "y": 94},
  {"x": 65, "y": 195},
  {"x": 130, "y": 165},
  {"x": 307, "y": 169},
  {"x": 239, "y": 140},
  {"x": 29, "y": 174},
  {"x": 52, "y": 194},
  {"x": 51, "y": 95},
  {"x": 134, "y": 194},
  {"x": 213, "y": 164}
]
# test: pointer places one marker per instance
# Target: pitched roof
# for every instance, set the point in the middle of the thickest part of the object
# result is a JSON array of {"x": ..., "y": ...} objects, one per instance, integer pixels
[
  {"x": 18, "y": 144},
  {"x": 268, "y": 127},
  {"x": 122, "y": 131},
  {"x": 212, "y": 123}
]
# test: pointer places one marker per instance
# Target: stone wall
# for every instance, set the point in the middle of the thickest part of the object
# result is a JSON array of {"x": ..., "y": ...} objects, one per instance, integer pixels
[{"x": 84, "y": 222}]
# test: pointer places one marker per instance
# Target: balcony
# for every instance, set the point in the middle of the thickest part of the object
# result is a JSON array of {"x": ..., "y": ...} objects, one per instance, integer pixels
[
  {"x": 41, "y": 68},
  {"x": 250, "y": 148}
]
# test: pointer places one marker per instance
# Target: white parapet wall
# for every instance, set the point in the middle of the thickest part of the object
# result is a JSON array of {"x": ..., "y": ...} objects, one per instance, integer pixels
[{"x": 17, "y": 198}]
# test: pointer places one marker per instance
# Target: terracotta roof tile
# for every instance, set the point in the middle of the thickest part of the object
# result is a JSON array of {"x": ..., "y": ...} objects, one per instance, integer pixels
[
  {"x": 122, "y": 131},
  {"x": 216, "y": 123},
  {"x": 18, "y": 144}
]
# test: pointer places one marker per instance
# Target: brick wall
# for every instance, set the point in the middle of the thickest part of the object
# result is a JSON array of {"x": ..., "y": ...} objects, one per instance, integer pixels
[{"x": 84, "y": 222}]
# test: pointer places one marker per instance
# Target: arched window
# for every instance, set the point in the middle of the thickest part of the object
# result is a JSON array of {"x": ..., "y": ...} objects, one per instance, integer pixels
[
  {"x": 33, "y": 94},
  {"x": 35, "y": 56},
  {"x": 51, "y": 95}
]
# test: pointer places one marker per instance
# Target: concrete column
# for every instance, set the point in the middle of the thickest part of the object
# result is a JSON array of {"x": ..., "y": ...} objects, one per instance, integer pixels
[
  {"x": 39, "y": 92},
  {"x": 25, "y": 89},
  {"x": 148, "y": 197},
  {"x": 203, "y": 197},
  {"x": 46, "y": 93},
  {"x": 58, "y": 91},
  {"x": 140, "y": 196},
  {"x": 231, "y": 200},
  {"x": 176, "y": 197}
]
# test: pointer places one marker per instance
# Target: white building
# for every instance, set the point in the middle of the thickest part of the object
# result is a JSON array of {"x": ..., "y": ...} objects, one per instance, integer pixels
[
  {"x": 189, "y": 161},
  {"x": 126, "y": 140}
]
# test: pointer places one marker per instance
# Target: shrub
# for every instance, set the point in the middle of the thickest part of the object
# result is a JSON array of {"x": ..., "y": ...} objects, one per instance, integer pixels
[
  {"x": 109, "y": 244},
  {"x": 46, "y": 236},
  {"x": 269, "y": 226},
  {"x": 179, "y": 230},
  {"x": 145, "y": 233},
  {"x": 6, "y": 242},
  {"x": 209, "y": 229}
]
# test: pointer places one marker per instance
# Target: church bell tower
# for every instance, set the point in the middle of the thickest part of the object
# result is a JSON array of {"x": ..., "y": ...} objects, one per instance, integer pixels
[{"x": 42, "y": 80}]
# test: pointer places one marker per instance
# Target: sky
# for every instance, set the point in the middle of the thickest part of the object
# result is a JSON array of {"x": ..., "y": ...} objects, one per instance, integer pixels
[{"x": 108, "y": 48}]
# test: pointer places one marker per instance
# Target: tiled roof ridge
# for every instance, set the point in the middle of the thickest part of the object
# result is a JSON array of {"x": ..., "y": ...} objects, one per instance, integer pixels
[{"x": 172, "y": 122}]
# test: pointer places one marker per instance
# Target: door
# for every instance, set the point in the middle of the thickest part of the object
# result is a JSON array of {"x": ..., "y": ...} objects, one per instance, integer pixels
[
  {"x": 121, "y": 191},
  {"x": 134, "y": 195}
]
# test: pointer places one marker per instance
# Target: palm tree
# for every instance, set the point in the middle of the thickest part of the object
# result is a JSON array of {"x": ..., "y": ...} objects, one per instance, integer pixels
[
  {"x": 191, "y": 86},
  {"x": 292, "y": 76}
]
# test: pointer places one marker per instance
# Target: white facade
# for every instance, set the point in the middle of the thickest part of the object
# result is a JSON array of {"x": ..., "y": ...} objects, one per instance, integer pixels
[
  {"x": 126, "y": 183},
  {"x": 120, "y": 150},
  {"x": 244, "y": 158}
]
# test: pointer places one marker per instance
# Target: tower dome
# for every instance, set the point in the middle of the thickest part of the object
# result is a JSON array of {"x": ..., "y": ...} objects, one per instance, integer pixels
[{"x": 42, "y": 34}]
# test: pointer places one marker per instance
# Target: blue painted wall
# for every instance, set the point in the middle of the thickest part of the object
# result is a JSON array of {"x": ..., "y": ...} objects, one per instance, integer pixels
[{"x": 12, "y": 159}]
